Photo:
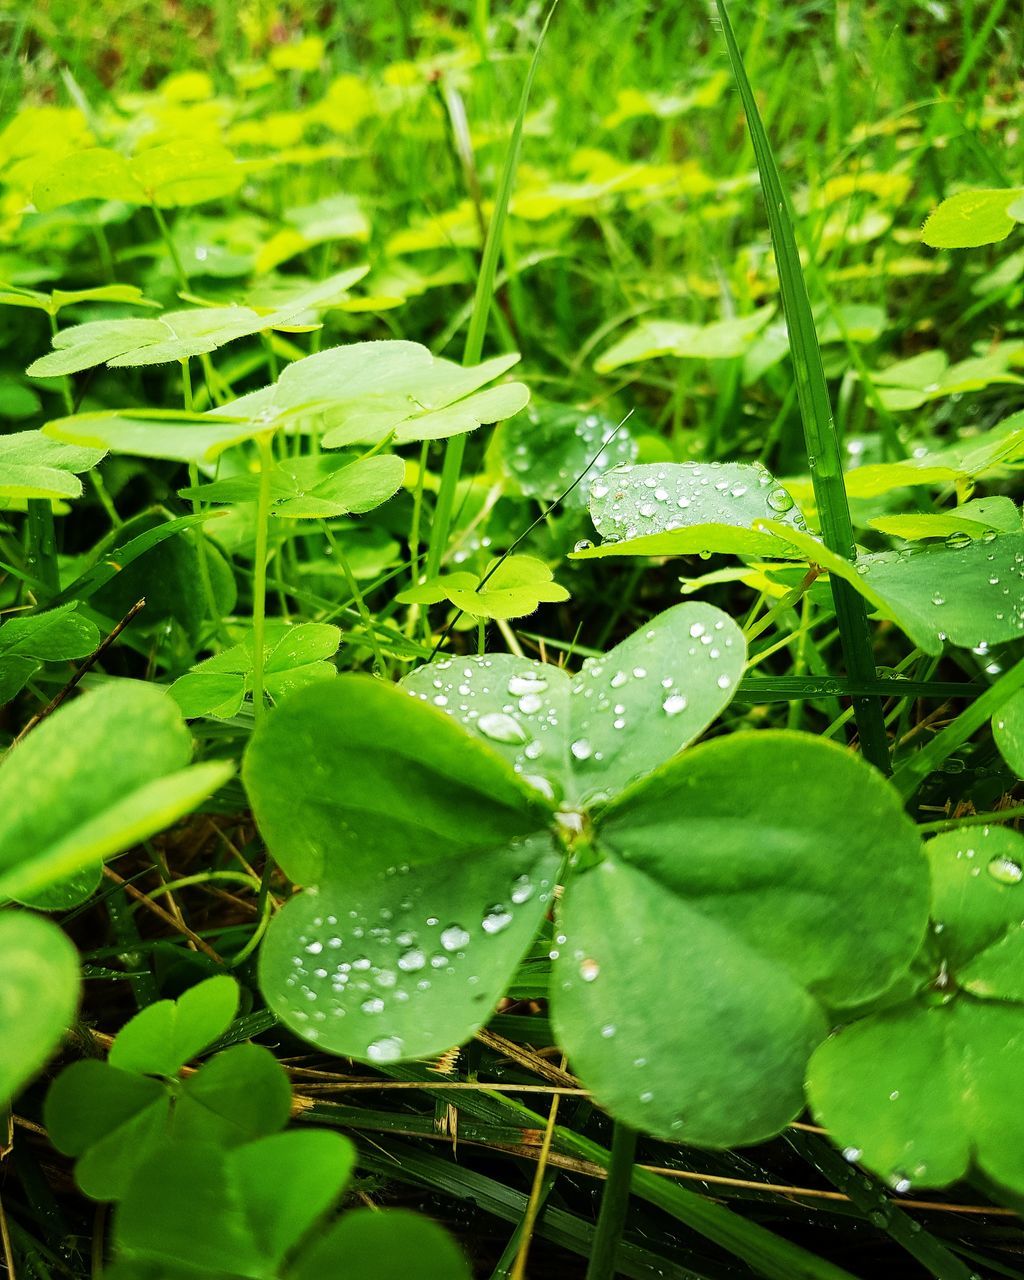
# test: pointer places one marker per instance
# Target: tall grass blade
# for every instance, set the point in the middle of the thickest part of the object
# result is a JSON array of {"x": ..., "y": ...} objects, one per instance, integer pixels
[
  {"x": 824, "y": 458},
  {"x": 482, "y": 302}
]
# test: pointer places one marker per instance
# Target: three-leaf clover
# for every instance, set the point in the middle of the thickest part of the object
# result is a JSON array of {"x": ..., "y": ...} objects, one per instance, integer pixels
[
  {"x": 715, "y": 905},
  {"x": 921, "y": 1090}
]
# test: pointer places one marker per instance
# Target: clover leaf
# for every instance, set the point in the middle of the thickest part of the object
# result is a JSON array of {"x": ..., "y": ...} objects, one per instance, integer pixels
[
  {"x": 53, "y": 636},
  {"x": 512, "y": 588},
  {"x": 314, "y": 488},
  {"x": 219, "y": 685},
  {"x": 1008, "y": 732},
  {"x": 70, "y": 795},
  {"x": 918, "y": 1091},
  {"x": 684, "y": 508},
  {"x": 179, "y": 335},
  {"x": 34, "y": 466},
  {"x": 430, "y": 855},
  {"x": 38, "y": 996},
  {"x": 114, "y": 1115}
]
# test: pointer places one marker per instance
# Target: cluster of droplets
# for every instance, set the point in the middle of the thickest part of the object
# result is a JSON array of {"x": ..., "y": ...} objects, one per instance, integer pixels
[
  {"x": 630, "y": 502},
  {"x": 368, "y": 963},
  {"x": 546, "y": 452}
]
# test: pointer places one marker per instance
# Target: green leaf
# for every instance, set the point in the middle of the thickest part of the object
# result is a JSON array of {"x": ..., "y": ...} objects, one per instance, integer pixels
[
  {"x": 168, "y": 576},
  {"x": 908, "y": 384},
  {"x": 182, "y": 172},
  {"x": 722, "y": 340},
  {"x": 53, "y": 303},
  {"x": 972, "y": 519},
  {"x": 918, "y": 1091},
  {"x": 314, "y": 488},
  {"x": 34, "y": 466},
  {"x": 719, "y": 923},
  {"x": 511, "y": 590},
  {"x": 363, "y": 392},
  {"x": 390, "y": 1245},
  {"x": 402, "y": 815},
  {"x": 971, "y": 218},
  {"x": 967, "y": 595},
  {"x": 683, "y": 508},
  {"x": 160, "y": 1039},
  {"x": 71, "y": 795},
  {"x": 38, "y": 996},
  {"x": 155, "y": 433},
  {"x": 288, "y": 1182},
  {"x": 53, "y": 636},
  {"x": 1008, "y": 732},
  {"x": 218, "y": 686},
  {"x": 245, "y": 1209},
  {"x": 114, "y": 1120},
  {"x": 623, "y": 715},
  {"x": 178, "y": 335},
  {"x": 551, "y": 445}
]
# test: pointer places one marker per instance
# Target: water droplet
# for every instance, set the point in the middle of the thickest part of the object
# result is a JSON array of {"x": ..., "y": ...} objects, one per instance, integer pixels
[
  {"x": 589, "y": 969},
  {"x": 518, "y": 686},
  {"x": 779, "y": 500},
  {"x": 584, "y": 544},
  {"x": 672, "y": 706},
  {"x": 697, "y": 629},
  {"x": 522, "y": 889},
  {"x": 1005, "y": 870},
  {"x": 374, "y": 1005},
  {"x": 853, "y": 1154},
  {"x": 959, "y": 539},
  {"x": 582, "y": 749},
  {"x": 412, "y": 960},
  {"x": 608, "y": 1030},
  {"x": 497, "y": 918},
  {"x": 500, "y": 727},
  {"x": 724, "y": 682},
  {"x": 454, "y": 937},
  {"x": 387, "y": 1049}
]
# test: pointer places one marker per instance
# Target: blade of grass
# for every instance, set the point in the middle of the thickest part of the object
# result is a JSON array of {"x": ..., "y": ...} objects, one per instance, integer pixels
[
  {"x": 907, "y": 778},
  {"x": 824, "y": 458},
  {"x": 614, "y": 1205},
  {"x": 482, "y": 302}
]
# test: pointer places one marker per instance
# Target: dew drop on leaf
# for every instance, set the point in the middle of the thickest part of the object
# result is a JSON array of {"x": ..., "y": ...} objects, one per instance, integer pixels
[
  {"x": 500, "y": 727},
  {"x": 1005, "y": 870},
  {"x": 454, "y": 937}
]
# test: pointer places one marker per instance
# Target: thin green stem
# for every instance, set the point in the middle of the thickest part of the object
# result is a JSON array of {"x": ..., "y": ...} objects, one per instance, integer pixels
[
  {"x": 824, "y": 458},
  {"x": 482, "y": 301},
  {"x": 369, "y": 625},
  {"x": 172, "y": 249},
  {"x": 992, "y": 819},
  {"x": 614, "y": 1204},
  {"x": 259, "y": 576}
]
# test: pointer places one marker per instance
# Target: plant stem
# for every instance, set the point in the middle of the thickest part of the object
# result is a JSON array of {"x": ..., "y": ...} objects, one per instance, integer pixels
[
  {"x": 42, "y": 544},
  {"x": 614, "y": 1204},
  {"x": 172, "y": 248},
  {"x": 259, "y": 576},
  {"x": 482, "y": 301},
  {"x": 824, "y": 458}
]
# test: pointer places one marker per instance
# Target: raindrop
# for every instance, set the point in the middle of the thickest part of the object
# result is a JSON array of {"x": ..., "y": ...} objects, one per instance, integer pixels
[
  {"x": 522, "y": 889},
  {"x": 672, "y": 706},
  {"x": 1005, "y": 870},
  {"x": 584, "y": 544},
  {"x": 497, "y": 918},
  {"x": 724, "y": 682},
  {"x": 779, "y": 500},
  {"x": 582, "y": 749},
  {"x": 374, "y": 1005},
  {"x": 454, "y": 937},
  {"x": 520, "y": 685},
  {"x": 608, "y": 1030},
  {"x": 387, "y": 1049},
  {"x": 412, "y": 960},
  {"x": 589, "y": 969},
  {"x": 500, "y": 727}
]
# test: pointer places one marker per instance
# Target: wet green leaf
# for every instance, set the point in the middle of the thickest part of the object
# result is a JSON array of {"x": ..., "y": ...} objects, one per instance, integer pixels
[
  {"x": 34, "y": 466},
  {"x": 38, "y": 996},
  {"x": 1008, "y": 731},
  {"x": 721, "y": 921},
  {"x": 972, "y": 218},
  {"x": 511, "y": 590},
  {"x": 722, "y": 340}
]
